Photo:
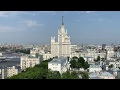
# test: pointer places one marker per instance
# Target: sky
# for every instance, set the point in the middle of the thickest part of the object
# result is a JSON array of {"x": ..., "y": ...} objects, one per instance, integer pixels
[{"x": 37, "y": 27}]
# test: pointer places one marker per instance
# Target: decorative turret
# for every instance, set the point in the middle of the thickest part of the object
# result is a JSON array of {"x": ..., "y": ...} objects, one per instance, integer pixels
[
  {"x": 62, "y": 27},
  {"x": 52, "y": 39}
]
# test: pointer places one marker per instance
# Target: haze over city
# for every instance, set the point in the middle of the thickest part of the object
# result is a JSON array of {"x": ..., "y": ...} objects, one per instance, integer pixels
[{"x": 84, "y": 27}]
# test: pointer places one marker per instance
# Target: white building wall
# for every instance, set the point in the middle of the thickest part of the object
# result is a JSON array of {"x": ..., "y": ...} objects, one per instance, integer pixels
[
  {"x": 46, "y": 56},
  {"x": 12, "y": 71},
  {"x": 95, "y": 69},
  {"x": 26, "y": 62},
  {"x": 107, "y": 77},
  {"x": 54, "y": 67},
  {"x": 61, "y": 67}
]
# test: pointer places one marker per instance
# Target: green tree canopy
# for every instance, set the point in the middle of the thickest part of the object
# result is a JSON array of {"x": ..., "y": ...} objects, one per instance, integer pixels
[
  {"x": 68, "y": 75},
  {"x": 85, "y": 75},
  {"x": 53, "y": 75},
  {"x": 86, "y": 65}
]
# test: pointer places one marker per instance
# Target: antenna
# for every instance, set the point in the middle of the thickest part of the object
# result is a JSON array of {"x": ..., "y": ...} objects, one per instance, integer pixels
[{"x": 62, "y": 21}]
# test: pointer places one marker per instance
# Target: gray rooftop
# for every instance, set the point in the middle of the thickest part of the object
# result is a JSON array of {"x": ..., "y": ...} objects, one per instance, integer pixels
[
  {"x": 115, "y": 69},
  {"x": 58, "y": 61},
  {"x": 106, "y": 74},
  {"x": 92, "y": 74},
  {"x": 96, "y": 77},
  {"x": 95, "y": 66}
]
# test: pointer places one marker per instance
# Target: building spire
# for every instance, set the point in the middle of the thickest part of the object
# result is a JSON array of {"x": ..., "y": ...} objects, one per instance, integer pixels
[{"x": 62, "y": 21}]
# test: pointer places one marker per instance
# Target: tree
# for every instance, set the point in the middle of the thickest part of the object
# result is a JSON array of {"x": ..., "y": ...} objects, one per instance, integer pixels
[
  {"x": 74, "y": 58},
  {"x": 86, "y": 65},
  {"x": 98, "y": 58},
  {"x": 53, "y": 75},
  {"x": 78, "y": 65},
  {"x": 110, "y": 66},
  {"x": 74, "y": 75},
  {"x": 85, "y": 75},
  {"x": 73, "y": 63},
  {"x": 81, "y": 60},
  {"x": 68, "y": 75}
]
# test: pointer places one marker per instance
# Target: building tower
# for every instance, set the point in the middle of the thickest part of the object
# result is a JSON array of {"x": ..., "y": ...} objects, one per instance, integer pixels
[{"x": 63, "y": 46}]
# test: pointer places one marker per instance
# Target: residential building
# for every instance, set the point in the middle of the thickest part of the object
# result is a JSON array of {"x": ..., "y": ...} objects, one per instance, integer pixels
[
  {"x": 61, "y": 64},
  {"x": 28, "y": 61},
  {"x": 106, "y": 75},
  {"x": 95, "y": 68},
  {"x": 14, "y": 70},
  {"x": 101, "y": 75},
  {"x": 3, "y": 72}
]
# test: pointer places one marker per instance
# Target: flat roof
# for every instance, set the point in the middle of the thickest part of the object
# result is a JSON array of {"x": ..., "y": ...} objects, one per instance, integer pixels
[
  {"x": 106, "y": 74},
  {"x": 59, "y": 60},
  {"x": 95, "y": 77},
  {"x": 94, "y": 66}
]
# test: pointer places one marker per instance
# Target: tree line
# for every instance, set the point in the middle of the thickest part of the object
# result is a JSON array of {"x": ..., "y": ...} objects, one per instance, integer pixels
[{"x": 41, "y": 71}]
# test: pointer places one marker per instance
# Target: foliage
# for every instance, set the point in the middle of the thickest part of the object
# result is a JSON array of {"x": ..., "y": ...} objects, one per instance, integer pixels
[
  {"x": 78, "y": 63},
  {"x": 70, "y": 75},
  {"x": 84, "y": 75},
  {"x": 73, "y": 63},
  {"x": 98, "y": 59},
  {"x": 39, "y": 71},
  {"x": 22, "y": 51},
  {"x": 53, "y": 75},
  {"x": 85, "y": 65},
  {"x": 110, "y": 66}
]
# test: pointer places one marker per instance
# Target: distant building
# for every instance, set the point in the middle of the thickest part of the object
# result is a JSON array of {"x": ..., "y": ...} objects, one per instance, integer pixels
[
  {"x": 61, "y": 64},
  {"x": 14, "y": 70},
  {"x": 101, "y": 75},
  {"x": 106, "y": 75},
  {"x": 103, "y": 46},
  {"x": 95, "y": 68},
  {"x": 89, "y": 59},
  {"x": 3, "y": 72},
  {"x": 28, "y": 61},
  {"x": 114, "y": 71}
]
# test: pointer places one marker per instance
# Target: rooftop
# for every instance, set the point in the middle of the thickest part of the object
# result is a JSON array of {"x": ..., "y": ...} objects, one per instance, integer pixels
[
  {"x": 95, "y": 66},
  {"x": 88, "y": 57},
  {"x": 106, "y": 74},
  {"x": 59, "y": 60}
]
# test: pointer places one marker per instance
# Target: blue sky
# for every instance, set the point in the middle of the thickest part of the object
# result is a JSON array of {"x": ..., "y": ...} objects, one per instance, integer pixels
[{"x": 84, "y": 27}]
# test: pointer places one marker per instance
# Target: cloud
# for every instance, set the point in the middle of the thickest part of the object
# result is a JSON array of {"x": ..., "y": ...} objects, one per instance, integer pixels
[
  {"x": 53, "y": 13},
  {"x": 31, "y": 23},
  {"x": 9, "y": 29},
  {"x": 89, "y": 11},
  {"x": 9, "y": 13},
  {"x": 21, "y": 26}
]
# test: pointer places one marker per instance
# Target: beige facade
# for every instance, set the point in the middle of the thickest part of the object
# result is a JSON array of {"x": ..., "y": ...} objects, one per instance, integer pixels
[
  {"x": 63, "y": 46},
  {"x": 14, "y": 70},
  {"x": 3, "y": 72},
  {"x": 28, "y": 61}
]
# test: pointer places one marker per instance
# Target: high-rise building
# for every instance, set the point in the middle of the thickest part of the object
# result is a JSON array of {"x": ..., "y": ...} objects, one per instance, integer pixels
[{"x": 63, "y": 46}]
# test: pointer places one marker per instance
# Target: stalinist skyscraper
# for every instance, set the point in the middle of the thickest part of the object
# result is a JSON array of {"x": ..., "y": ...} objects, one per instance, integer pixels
[{"x": 63, "y": 46}]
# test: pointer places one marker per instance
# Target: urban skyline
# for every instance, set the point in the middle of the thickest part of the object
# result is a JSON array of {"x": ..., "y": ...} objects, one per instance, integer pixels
[{"x": 84, "y": 27}]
